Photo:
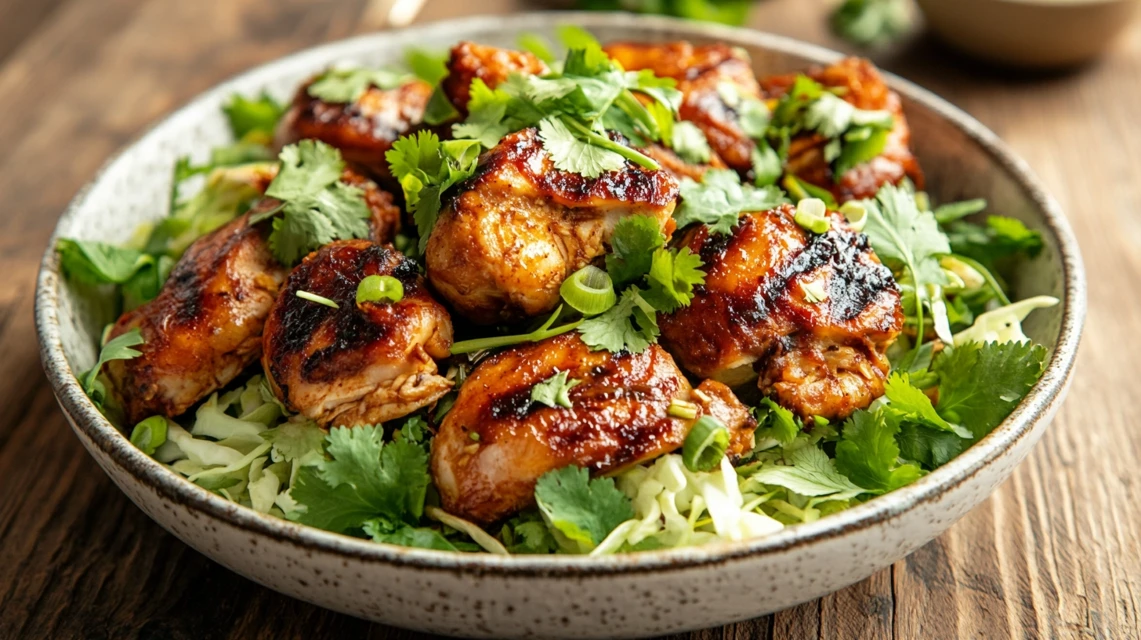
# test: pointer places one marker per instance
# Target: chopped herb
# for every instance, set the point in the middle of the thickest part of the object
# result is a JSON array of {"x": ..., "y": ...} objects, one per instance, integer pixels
[
  {"x": 553, "y": 391},
  {"x": 348, "y": 85},
  {"x": 720, "y": 199},
  {"x": 312, "y": 297}
]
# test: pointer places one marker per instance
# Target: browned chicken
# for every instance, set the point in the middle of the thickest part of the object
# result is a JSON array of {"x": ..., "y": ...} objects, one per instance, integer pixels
[
  {"x": 864, "y": 88},
  {"x": 355, "y": 364},
  {"x": 205, "y": 326},
  {"x": 363, "y": 130},
  {"x": 496, "y": 442},
  {"x": 676, "y": 166},
  {"x": 813, "y": 314},
  {"x": 507, "y": 238},
  {"x": 469, "y": 61},
  {"x": 385, "y": 217},
  {"x": 706, "y": 75}
]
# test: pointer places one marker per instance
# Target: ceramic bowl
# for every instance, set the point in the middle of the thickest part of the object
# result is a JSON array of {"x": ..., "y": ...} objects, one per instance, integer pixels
[
  {"x": 630, "y": 595},
  {"x": 1043, "y": 34}
]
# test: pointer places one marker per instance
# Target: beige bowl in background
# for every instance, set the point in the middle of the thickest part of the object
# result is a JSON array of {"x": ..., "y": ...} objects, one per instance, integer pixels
[{"x": 1030, "y": 33}]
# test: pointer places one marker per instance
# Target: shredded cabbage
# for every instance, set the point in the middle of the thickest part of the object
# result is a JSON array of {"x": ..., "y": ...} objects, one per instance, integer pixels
[{"x": 1003, "y": 324}]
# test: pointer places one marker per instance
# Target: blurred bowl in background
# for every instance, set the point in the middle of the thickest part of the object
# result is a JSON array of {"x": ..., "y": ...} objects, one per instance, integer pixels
[{"x": 1029, "y": 33}]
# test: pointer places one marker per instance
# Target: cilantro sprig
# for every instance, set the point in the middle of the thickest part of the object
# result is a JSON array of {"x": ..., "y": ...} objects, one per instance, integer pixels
[
  {"x": 426, "y": 168},
  {"x": 720, "y": 199},
  {"x": 580, "y": 511},
  {"x": 316, "y": 207},
  {"x": 348, "y": 85}
]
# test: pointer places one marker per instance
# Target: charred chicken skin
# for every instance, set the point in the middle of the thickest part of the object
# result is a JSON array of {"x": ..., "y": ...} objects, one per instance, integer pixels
[
  {"x": 362, "y": 130},
  {"x": 508, "y": 236},
  {"x": 812, "y": 314},
  {"x": 204, "y": 327},
  {"x": 496, "y": 442},
  {"x": 355, "y": 364},
  {"x": 469, "y": 61},
  {"x": 707, "y": 76},
  {"x": 865, "y": 89}
]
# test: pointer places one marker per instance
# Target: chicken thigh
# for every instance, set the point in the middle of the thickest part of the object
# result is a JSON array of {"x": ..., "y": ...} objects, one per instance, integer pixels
[
  {"x": 507, "y": 238},
  {"x": 469, "y": 61},
  {"x": 496, "y": 442},
  {"x": 813, "y": 314},
  {"x": 357, "y": 363}
]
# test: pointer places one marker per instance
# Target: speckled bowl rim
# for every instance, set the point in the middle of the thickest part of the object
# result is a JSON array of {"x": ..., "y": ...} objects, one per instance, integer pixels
[{"x": 172, "y": 486}]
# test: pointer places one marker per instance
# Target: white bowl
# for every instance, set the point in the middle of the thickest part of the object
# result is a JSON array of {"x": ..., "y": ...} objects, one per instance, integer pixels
[{"x": 641, "y": 594}]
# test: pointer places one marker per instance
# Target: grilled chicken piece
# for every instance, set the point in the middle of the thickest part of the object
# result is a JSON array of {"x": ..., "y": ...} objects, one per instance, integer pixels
[
  {"x": 755, "y": 313},
  {"x": 385, "y": 217},
  {"x": 205, "y": 326},
  {"x": 507, "y": 238},
  {"x": 865, "y": 89},
  {"x": 701, "y": 73},
  {"x": 496, "y": 442},
  {"x": 363, "y": 130},
  {"x": 355, "y": 364},
  {"x": 469, "y": 61}
]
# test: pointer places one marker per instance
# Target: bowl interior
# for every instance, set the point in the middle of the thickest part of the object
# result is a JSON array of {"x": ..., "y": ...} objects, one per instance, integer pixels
[{"x": 961, "y": 159}]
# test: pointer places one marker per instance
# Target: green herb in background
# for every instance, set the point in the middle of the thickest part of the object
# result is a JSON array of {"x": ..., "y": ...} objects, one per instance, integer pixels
[
  {"x": 870, "y": 23},
  {"x": 734, "y": 12}
]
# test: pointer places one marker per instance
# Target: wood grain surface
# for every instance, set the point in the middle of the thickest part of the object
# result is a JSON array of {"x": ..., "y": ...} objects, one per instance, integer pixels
[{"x": 1056, "y": 553}]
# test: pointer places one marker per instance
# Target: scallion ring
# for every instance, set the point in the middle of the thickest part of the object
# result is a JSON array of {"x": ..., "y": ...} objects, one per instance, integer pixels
[
  {"x": 812, "y": 214},
  {"x": 705, "y": 445},
  {"x": 856, "y": 214},
  {"x": 149, "y": 434},
  {"x": 590, "y": 291},
  {"x": 379, "y": 289}
]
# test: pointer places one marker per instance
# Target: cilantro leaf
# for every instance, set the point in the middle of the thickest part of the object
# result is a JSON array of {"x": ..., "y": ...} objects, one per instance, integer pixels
[
  {"x": 869, "y": 455},
  {"x": 381, "y": 530},
  {"x": 553, "y": 391},
  {"x": 777, "y": 422},
  {"x": 119, "y": 348},
  {"x": 569, "y": 153},
  {"x": 912, "y": 404},
  {"x": 306, "y": 168},
  {"x": 720, "y": 199},
  {"x": 630, "y": 325},
  {"x": 980, "y": 384},
  {"x": 486, "y": 112},
  {"x": 999, "y": 238},
  {"x": 580, "y": 510},
  {"x": 528, "y": 533},
  {"x": 364, "y": 480},
  {"x": 429, "y": 66},
  {"x": 689, "y": 142},
  {"x": 348, "y": 85},
  {"x": 930, "y": 447},
  {"x": 426, "y": 168},
  {"x": 672, "y": 277},
  {"x": 294, "y": 440},
  {"x": 253, "y": 120},
  {"x": 633, "y": 243},
  {"x": 536, "y": 45},
  {"x": 871, "y": 22},
  {"x": 89, "y": 262},
  {"x": 810, "y": 472}
]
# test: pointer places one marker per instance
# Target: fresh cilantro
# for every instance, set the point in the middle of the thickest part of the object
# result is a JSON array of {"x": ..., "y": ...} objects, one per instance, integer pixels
[
  {"x": 317, "y": 208},
  {"x": 809, "y": 472},
  {"x": 295, "y": 439},
  {"x": 381, "y": 530},
  {"x": 95, "y": 263},
  {"x": 439, "y": 109},
  {"x": 554, "y": 391},
  {"x": 720, "y": 199},
  {"x": 415, "y": 430},
  {"x": 426, "y": 168},
  {"x": 903, "y": 236},
  {"x": 527, "y": 533},
  {"x": 929, "y": 447},
  {"x": 575, "y": 155},
  {"x": 364, "y": 480},
  {"x": 536, "y": 45},
  {"x": 871, "y": 22},
  {"x": 630, "y": 325},
  {"x": 999, "y": 238},
  {"x": 672, "y": 277},
  {"x": 253, "y": 119},
  {"x": 120, "y": 348},
  {"x": 429, "y": 66},
  {"x": 689, "y": 142},
  {"x": 952, "y": 211},
  {"x": 581, "y": 511},
  {"x": 229, "y": 191},
  {"x": 348, "y": 85},
  {"x": 776, "y": 422},
  {"x": 869, "y": 454},
  {"x": 980, "y": 384},
  {"x": 910, "y": 403},
  {"x": 633, "y": 243}
]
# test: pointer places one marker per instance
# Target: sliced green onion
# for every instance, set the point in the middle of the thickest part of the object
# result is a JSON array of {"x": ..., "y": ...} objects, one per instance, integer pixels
[
  {"x": 590, "y": 291},
  {"x": 812, "y": 214},
  {"x": 379, "y": 289},
  {"x": 312, "y": 297},
  {"x": 814, "y": 291},
  {"x": 991, "y": 281},
  {"x": 149, "y": 434},
  {"x": 705, "y": 445},
  {"x": 494, "y": 342},
  {"x": 856, "y": 214},
  {"x": 820, "y": 421},
  {"x": 799, "y": 189},
  {"x": 682, "y": 409}
]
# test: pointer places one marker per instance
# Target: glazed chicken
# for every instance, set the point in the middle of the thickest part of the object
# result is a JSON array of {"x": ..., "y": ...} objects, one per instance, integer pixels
[
  {"x": 469, "y": 61},
  {"x": 507, "y": 238},
  {"x": 711, "y": 78},
  {"x": 864, "y": 88},
  {"x": 362, "y": 130},
  {"x": 812, "y": 314},
  {"x": 205, "y": 326},
  {"x": 355, "y": 364},
  {"x": 496, "y": 442}
]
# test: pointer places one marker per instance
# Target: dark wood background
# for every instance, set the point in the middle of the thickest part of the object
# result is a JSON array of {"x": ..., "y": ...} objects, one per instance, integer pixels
[{"x": 1056, "y": 553}]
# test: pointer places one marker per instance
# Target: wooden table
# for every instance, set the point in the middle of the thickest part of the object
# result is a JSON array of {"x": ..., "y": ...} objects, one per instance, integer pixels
[{"x": 1055, "y": 553}]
